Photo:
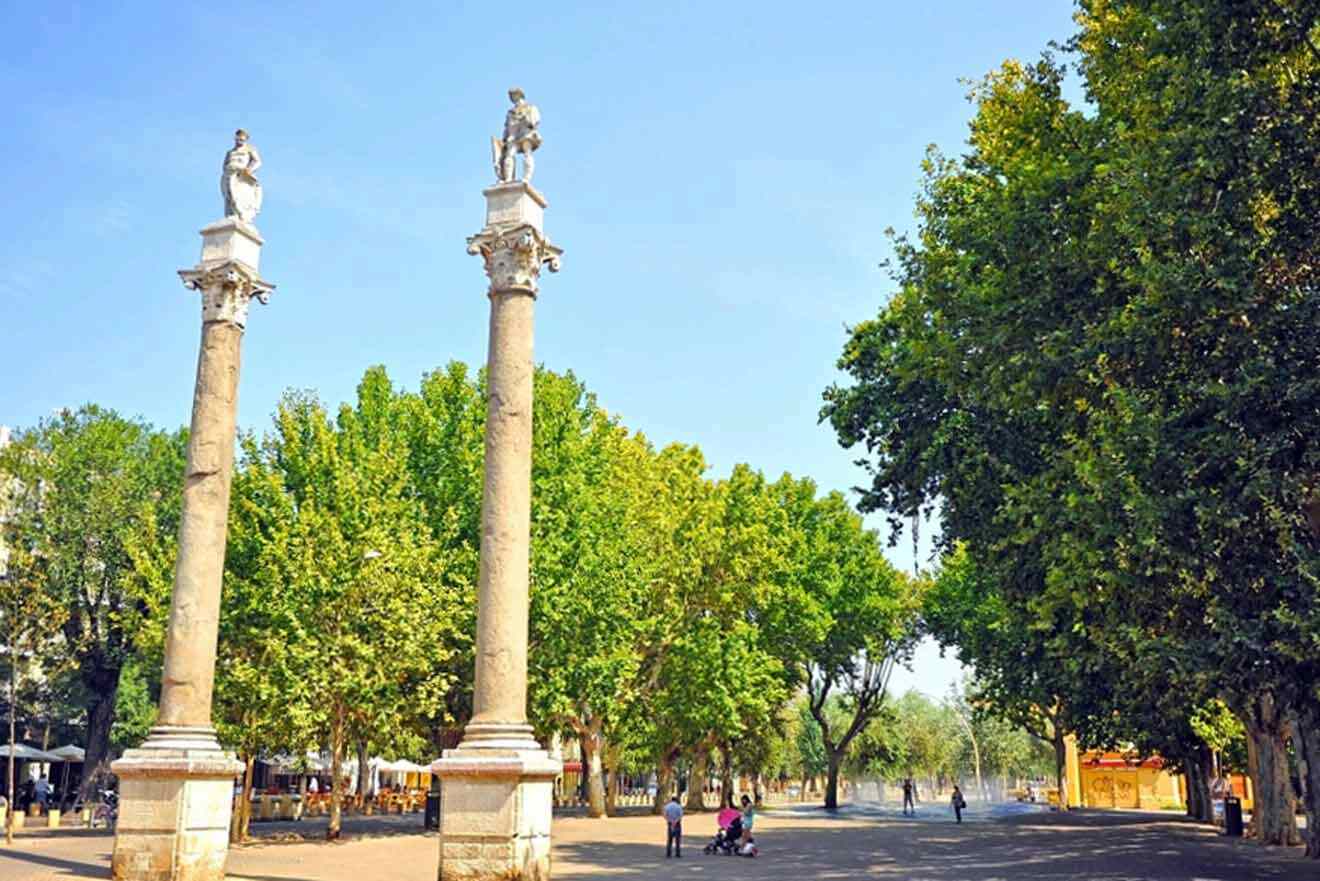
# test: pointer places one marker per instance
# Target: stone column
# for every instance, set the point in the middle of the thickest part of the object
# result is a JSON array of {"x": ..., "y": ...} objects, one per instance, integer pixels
[
  {"x": 176, "y": 790},
  {"x": 498, "y": 784}
]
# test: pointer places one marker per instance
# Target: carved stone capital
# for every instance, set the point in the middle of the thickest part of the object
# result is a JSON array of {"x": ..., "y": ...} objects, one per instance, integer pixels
[
  {"x": 227, "y": 289},
  {"x": 514, "y": 256}
]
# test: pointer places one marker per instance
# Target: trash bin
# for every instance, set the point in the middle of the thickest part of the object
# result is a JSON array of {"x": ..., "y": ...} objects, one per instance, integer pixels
[
  {"x": 1233, "y": 817},
  {"x": 432, "y": 819}
]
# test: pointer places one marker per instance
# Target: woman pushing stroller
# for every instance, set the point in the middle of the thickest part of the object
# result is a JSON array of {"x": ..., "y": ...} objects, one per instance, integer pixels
[{"x": 735, "y": 830}]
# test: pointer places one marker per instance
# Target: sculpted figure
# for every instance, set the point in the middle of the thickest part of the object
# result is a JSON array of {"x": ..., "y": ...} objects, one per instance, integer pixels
[
  {"x": 238, "y": 179},
  {"x": 520, "y": 136}
]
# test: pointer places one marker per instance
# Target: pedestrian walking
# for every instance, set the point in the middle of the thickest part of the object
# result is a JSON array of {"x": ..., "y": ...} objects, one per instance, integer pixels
[
  {"x": 674, "y": 830},
  {"x": 958, "y": 803},
  {"x": 908, "y": 792}
]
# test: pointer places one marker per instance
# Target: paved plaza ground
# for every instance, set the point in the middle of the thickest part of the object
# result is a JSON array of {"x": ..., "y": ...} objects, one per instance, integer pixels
[{"x": 797, "y": 844}]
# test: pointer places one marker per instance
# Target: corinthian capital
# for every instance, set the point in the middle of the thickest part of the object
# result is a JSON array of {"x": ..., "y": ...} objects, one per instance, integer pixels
[
  {"x": 227, "y": 290},
  {"x": 514, "y": 256}
]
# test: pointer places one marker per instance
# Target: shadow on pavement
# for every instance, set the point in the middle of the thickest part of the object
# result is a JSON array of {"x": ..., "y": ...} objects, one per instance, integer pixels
[
  {"x": 76, "y": 869},
  {"x": 1094, "y": 846},
  {"x": 353, "y": 828}
]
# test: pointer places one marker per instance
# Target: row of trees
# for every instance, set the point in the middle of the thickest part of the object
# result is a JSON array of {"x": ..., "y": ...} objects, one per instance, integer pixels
[
  {"x": 1100, "y": 366},
  {"x": 947, "y": 742},
  {"x": 674, "y": 616}
]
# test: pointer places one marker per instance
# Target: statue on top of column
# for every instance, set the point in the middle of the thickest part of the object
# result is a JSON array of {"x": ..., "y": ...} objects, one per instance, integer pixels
[
  {"x": 520, "y": 136},
  {"x": 238, "y": 179}
]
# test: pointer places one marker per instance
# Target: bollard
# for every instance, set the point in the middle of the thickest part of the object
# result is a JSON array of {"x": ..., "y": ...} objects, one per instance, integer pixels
[{"x": 53, "y": 819}]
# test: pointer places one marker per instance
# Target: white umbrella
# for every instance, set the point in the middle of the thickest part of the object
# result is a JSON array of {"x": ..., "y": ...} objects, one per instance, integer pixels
[
  {"x": 70, "y": 753},
  {"x": 28, "y": 753}
]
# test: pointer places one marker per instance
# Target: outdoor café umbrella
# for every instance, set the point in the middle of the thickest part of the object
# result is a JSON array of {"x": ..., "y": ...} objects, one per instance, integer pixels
[
  {"x": 68, "y": 754},
  {"x": 24, "y": 753},
  {"x": 27, "y": 753}
]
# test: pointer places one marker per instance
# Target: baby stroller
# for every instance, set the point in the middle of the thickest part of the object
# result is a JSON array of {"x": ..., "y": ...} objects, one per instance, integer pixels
[{"x": 726, "y": 839}]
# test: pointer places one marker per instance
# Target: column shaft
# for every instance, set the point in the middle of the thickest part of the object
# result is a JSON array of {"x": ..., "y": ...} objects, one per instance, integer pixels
[
  {"x": 500, "y": 691},
  {"x": 190, "y": 643}
]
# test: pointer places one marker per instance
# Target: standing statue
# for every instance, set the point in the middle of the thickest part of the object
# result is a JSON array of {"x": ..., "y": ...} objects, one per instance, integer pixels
[
  {"x": 520, "y": 136},
  {"x": 238, "y": 180}
]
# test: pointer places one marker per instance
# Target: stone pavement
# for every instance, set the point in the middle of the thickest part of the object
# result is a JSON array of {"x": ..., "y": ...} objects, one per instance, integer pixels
[{"x": 796, "y": 845}]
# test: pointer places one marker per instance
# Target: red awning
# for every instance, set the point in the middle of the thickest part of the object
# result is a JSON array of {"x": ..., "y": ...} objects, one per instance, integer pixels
[{"x": 572, "y": 767}]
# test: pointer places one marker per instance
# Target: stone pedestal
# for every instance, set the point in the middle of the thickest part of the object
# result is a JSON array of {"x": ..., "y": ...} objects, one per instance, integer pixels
[
  {"x": 175, "y": 796},
  {"x": 176, "y": 790},
  {"x": 495, "y": 814},
  {"x": 498, "y": 786}
]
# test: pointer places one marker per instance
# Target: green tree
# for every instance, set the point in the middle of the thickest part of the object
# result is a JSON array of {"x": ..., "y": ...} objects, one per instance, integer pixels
[
  {"x": 29, "y": 609},
  {"x": 812, "y": 760},
  {"x": 590, "y": 575},
  {"x": 94, "y": 480},
  {"x": 372, "y": 594},
  {"x": 861, "y": 618},
  {"x": 135, "y": 708},
  {"x": 1091, "y": 366}
]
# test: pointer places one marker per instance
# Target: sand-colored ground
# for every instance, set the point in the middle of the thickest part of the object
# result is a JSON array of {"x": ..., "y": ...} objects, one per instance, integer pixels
[{"x": 795, "y": 846}]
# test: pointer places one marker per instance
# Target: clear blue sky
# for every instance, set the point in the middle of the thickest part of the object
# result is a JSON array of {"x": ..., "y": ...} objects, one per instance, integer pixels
[{"x": 719, "y": 174}]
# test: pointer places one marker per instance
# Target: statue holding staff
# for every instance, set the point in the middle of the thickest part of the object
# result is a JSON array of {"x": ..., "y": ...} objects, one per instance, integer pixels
[{"x": 520, "y": 136}]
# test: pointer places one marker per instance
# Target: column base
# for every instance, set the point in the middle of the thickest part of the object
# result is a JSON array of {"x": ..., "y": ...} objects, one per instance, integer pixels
[
  {"x": 176, "y": 793},
  {"x": 495, "y": 812}
]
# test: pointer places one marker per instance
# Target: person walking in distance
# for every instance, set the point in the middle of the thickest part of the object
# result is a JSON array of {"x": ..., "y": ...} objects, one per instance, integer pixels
[
  {"x": 958, "y": 803},
  {"x": 908, "y": 792},
  {"x": 674, "y": 831}
]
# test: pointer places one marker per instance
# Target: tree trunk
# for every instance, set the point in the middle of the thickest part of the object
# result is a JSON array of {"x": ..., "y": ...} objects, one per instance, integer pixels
[
  {"x": 1194, "y": 810},
  {"x": 1061, "y": 768},
  {"x": 12, "y": 802},
  {"x": 238, "y": 830},
  {"x": 1204, "y": 774},
  {"x": 664, "y": 782},
  {"x": 1306, "y": 747},
  {"x": 726, "y": 776},
  {"x": 802, "y": 793},
  {"x": 1274, "y": 818},
  {"x": 583, "y": 776},
  {"x": 364, "y": 770},
  {"x": 611, "y": 782},
  {"x": 697, "y": 784},
  {"x": 591, "y": 747},
  {"x": 1199, "y": 804},
  {"x": 336, "y": 770},
  {"x": 832, "y": 780},
  {"x": 103, "y": 686}
]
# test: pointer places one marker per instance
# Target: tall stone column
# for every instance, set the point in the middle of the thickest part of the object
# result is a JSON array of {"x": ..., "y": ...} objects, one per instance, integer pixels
[
  {"x": 498, "y": 784},
  {"x": 176, "y": 790}
]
